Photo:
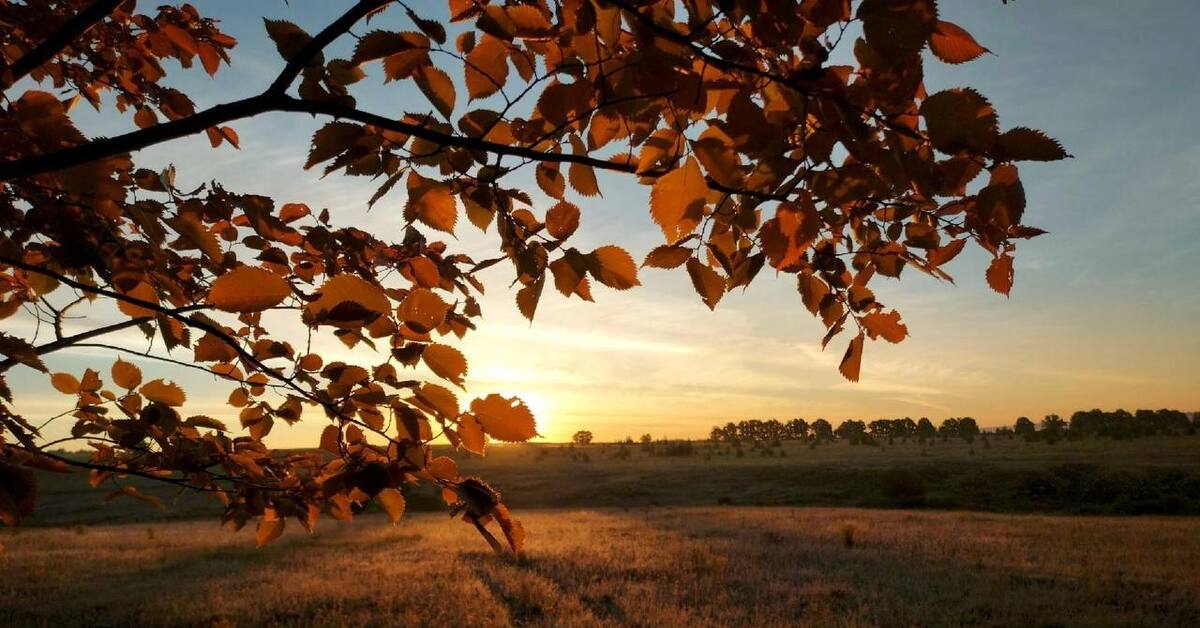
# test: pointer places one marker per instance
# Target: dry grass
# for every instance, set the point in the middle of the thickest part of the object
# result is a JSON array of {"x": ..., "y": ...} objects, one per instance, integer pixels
[{"x": 661, "y": 566}]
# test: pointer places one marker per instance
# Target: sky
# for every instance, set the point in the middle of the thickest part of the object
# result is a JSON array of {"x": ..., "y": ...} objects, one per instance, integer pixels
[{"x": 1103, "y": 312}]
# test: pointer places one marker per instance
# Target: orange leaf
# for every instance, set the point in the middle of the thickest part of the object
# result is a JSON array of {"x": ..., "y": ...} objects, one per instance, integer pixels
[
  {"x": 431, "y": 202},
  {"x": 562, "y": 220},
  {"x": 438, "y": 88},
  {"x": 486, "y": 67},
  {"x": 446, "y": 362},
  {"x": 1000, "y": 274},
  {"x": 708, "y": 284},
  {"x": 126, "y": 375},
  {"x": 65, "y": 383},
  {"x": 422, "y": 310},
  {"x": 667, "y": 256},
  {"x": 952, "y": 44},
  {"x": 677, "y": 200},
  {"x": 852, "y": 361},
  {"x": 270, "y": 526},
  {"x": 348, "y": 301},
  {"x": 613, "y": 267},
  {"x": 166, "y": 393},
  {"x": 443, "y": 468},
  {"x": 248, "y": 289},
  {"x": 471, "y": 434},
  {"x": 886, "y": 324},
  {"x": 392, "y": 502},
  {"x": 504, "y": 418}
]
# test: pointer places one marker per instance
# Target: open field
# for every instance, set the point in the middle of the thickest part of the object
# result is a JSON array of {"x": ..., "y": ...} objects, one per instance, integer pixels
[
  {"x": 1145, "y": 476},
  {"x": 657, "y": 566}
]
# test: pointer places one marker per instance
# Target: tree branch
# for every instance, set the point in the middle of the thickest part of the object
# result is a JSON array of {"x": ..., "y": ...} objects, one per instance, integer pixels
[
  {"x": 68, "y": 341},
  {"x": 77, "y": 25}
]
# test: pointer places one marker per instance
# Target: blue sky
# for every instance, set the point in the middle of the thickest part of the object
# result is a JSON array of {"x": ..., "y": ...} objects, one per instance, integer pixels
[{"x": 1102, "y": 313}]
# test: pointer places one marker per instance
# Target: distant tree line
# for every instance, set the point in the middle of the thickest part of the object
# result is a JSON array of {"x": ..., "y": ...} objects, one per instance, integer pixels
[{"x": 1118, "y": 424}]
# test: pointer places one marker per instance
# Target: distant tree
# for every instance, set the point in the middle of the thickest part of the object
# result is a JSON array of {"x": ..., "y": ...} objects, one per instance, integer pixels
[
  {"x": 1053, "y": 427},
  {"x": 925, "y": 429},
  {"x": 646, "y": 439},
  {"x": 1024, "y": 427},
  {"x": 851, "y": 431},
  {"x": 948, "y": 429},
  {"x": 822, "y": 430},
  {"x": 582, "y": 437},
  {"x": 968, "y": 429}
]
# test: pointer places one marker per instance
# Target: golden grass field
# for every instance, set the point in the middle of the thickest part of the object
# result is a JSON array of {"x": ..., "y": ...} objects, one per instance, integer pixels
[{"x": 643, "y": 566}]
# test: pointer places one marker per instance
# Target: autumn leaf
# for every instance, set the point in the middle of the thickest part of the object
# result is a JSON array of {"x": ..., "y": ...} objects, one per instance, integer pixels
[
  {"x": 164, "y": 392},
  {"x": 437, "y": 87},
  {"x": 348, "y": 301},
  {"x": 960, "y": 120},
  {"x": 270, "y": 527},
  {"x": 885, "y": 324},
  {"x": 852, "y": 360},
  {"x": 470, "y": 432},
  {"x": 667, "y": 256},
  {"x": 431, "y": 202},
  {"x": 952, "y": 44},
  {"x": 65, "y": 383},
  {"x": 422, "y": 310},
  {"x": 708, "y": 284},
  {"x": 392, "y": 503},
  {"x": 126, "y": 375},
  {"x": 503, "y": 418},
  {"x": 248, "y": 289},
  {"x": 562, "y": 220},
  {"x": 486, "y": 67},
  {"x": 613, "y": 267},
  {"x": 1000, "y": 274},
  {"x": 677, "y": 200},
  {"x": 445, "y": 362}
]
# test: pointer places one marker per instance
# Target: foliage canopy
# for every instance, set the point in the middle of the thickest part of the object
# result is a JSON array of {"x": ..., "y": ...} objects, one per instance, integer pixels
[{"x": 757, "y": 150}]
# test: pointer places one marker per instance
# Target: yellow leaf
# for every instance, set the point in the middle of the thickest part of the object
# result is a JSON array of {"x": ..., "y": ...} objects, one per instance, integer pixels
[
  {"x": 677, "y": 200},
  {"x": 708, "y": 284},
  {"x": 446, "y": 362},
  {"x": 269, "y": 528},
  {"x": 471, "y": 434},
  {"x": 422, "y": 310},
  {"x": 438, "y": 399},
  {"x": 443, "y": 468},
  {"x": 513, "y": 530},
  {"x": 248, "y": 289},
  {"x": 166, "y": 393},
  {"x": 65, "y": 383},
  {"x": 348, "y": 301},
  {"x": 126, "y": 375},
  {"x": 431, "y": 202},
  {"x": 392, "y": 503},
  {"x": 504, "y": 419},
  {"x": 613, "y": 267}
]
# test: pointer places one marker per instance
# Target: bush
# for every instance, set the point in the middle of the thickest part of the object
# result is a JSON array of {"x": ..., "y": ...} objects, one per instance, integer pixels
[{"x": 903, "y": 488}]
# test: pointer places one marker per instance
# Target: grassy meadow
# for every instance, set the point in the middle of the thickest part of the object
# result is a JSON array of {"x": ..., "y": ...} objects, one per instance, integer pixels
[
  {"x": 653, "y": 566},
  {"x": 946, "y": 533}
]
